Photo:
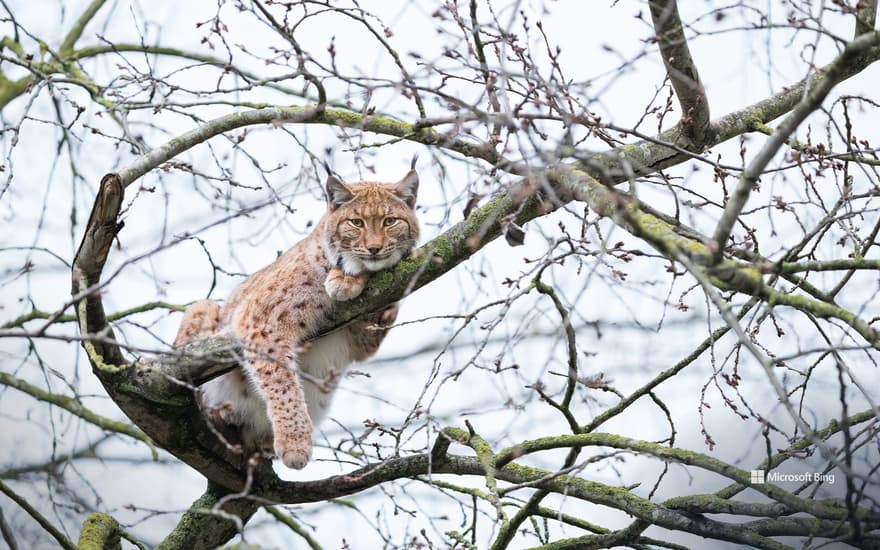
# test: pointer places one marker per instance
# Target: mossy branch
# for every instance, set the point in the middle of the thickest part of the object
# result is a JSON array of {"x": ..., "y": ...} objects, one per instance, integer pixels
[
  {"x": 832, "y": 75},
  {"x": 833, "y": 427},
  {"x": 79, "y": 26},
  {"x": 75, "y": 407},
  {"x": 315, "y": 114},
  {"x": 37, "y": 314},
  {"x": 669, "y": 240},
  {"x": 100, "y": 532},
  {"x": 294, "y": 526},
  {"x": 209, "y": 522},
  {"x": 793, "y": 503},
  {"x": 486, "y": 457},
  {"x": 159, "y": 398},
  {"x": 56, "y": 534}
]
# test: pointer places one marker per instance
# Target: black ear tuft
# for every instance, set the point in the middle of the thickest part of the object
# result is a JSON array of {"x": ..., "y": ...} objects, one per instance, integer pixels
[
  {"x": 408, "y": 188},
  {"x": 337, "y": 192}
]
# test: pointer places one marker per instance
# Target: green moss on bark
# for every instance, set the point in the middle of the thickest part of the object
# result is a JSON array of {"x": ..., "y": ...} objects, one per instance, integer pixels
[{"x": 99, "y": 532}]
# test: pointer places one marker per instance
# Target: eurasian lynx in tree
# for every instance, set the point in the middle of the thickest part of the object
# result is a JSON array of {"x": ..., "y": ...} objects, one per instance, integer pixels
[{"x": 286, "y": 383}]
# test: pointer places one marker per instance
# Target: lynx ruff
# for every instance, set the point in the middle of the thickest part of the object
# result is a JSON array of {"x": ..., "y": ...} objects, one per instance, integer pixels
[{"x": 287, "y": 380}]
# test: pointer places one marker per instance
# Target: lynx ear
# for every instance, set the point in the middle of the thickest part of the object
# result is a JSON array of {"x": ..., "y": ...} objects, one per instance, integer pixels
[
  {"x": 408, "y": 188},
  {"x": 337, "y": 193}
]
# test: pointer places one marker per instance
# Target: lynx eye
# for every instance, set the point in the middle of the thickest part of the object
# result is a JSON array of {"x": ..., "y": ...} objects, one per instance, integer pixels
[
  {"x": 357, "y": 222},
  {"x": 388, "y": 222}
]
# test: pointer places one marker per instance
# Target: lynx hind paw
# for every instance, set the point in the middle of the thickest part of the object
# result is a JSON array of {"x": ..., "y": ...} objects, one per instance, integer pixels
[
  {"x": 388, "y": 316},
  {"x": 200, "y": 320},
  {"x": 222, "y": 412},
  {"x": 343, "y": 287},
  {"x": 382, "y": 319}
]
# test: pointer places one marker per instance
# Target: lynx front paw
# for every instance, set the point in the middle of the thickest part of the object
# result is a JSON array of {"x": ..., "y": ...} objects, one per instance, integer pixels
[
  {"x": 342, "y": 287},
  {"x": 293, "y": 455}
]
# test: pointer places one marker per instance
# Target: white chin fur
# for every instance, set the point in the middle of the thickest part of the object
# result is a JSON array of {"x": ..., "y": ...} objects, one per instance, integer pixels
[{"x": 354, "y": 265}]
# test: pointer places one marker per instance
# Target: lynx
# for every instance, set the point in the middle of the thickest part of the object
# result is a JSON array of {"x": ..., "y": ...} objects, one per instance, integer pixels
[{"x": 287, "y": 380}]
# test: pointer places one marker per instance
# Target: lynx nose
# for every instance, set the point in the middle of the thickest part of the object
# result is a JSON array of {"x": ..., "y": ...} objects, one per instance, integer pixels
[{"x": 374, "y": 249}]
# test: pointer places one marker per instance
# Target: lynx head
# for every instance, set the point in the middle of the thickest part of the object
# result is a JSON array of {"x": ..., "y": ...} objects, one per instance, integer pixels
[{"x": 371, "y": 226}]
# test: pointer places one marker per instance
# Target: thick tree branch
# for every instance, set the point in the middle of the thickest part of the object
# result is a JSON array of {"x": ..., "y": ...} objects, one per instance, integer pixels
[
  {"x": 682, "y": 72},
  {"x": 210, "y": 521}
]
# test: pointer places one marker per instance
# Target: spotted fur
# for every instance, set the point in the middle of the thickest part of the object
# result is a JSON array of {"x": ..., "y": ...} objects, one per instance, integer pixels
[{"x": 288, "y": 378}]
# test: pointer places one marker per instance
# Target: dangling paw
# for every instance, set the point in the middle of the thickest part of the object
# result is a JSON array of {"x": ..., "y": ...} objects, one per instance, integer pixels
[
  {"x": 343, "y": 287},
  {"x": 294, "y": 454}
]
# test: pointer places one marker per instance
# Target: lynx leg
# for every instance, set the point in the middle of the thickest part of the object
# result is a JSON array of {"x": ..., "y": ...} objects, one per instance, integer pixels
[
  {"x": 342, "y": 287},
  {"x": 200, "y": 320},
  {"x": 286, "y": 407}
]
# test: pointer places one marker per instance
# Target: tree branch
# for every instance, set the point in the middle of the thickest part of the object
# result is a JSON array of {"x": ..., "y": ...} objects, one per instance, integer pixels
[
  {"x": 293, "y": 526},
  {"x": 74, "y": 407},
  {"x": 159, "y": 396},
  {"x": 7, "y": 533},
  {"x": 835, "y": 73},
  {"x": 574, "y": 487},
  {"x": 209, "y": 522},
  {"x": 78, "y": 27},
  {"x": 628, "y": 213},
  {"x": 682, "y": 72},
  {"x": 63, "y": 541},
  {"x": 832, "y": 428},
  {"x": 100, "y": 532},
  {"x": 126, "y": 383}
]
